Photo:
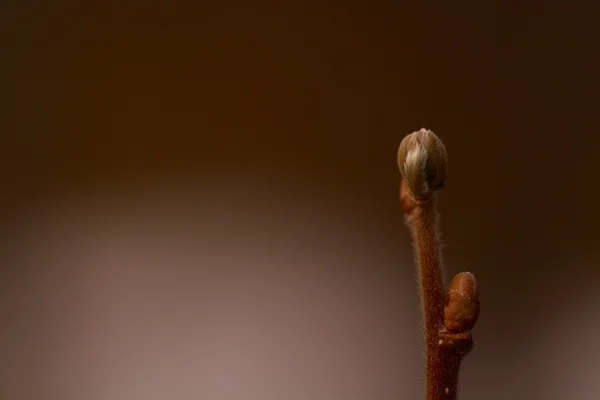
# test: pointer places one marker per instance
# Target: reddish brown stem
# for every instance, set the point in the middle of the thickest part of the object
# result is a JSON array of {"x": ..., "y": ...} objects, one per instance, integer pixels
[
  {"x": 444, "y": 349},
  {"x": 423, "y": 223},
  {"x": 422, "y": 161}
]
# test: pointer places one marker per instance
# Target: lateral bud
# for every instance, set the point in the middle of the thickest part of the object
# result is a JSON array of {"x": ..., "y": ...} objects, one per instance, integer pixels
[{"x": 462, "y": 303}]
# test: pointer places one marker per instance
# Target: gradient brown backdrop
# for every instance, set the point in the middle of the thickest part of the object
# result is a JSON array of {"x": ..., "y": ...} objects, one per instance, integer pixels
[{"x": 200, "y": 202}]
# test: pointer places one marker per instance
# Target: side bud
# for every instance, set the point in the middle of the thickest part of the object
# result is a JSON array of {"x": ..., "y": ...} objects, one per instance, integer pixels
[{"x": 462, "y": 303}]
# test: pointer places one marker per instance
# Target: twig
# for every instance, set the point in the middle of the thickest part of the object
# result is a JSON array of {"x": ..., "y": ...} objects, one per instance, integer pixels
[{"x": 448, "y": 318}]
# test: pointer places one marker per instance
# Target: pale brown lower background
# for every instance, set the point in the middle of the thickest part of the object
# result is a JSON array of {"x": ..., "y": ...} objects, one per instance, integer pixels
[{"x": 200, "y": 202}]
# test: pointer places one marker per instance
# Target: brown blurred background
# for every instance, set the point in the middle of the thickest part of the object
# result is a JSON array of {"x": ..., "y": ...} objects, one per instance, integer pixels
[{"x": 200, "y": 201}]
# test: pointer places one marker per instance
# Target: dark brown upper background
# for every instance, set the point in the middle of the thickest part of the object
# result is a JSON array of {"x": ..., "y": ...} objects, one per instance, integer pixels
[{"x": 313, "y": 98}]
